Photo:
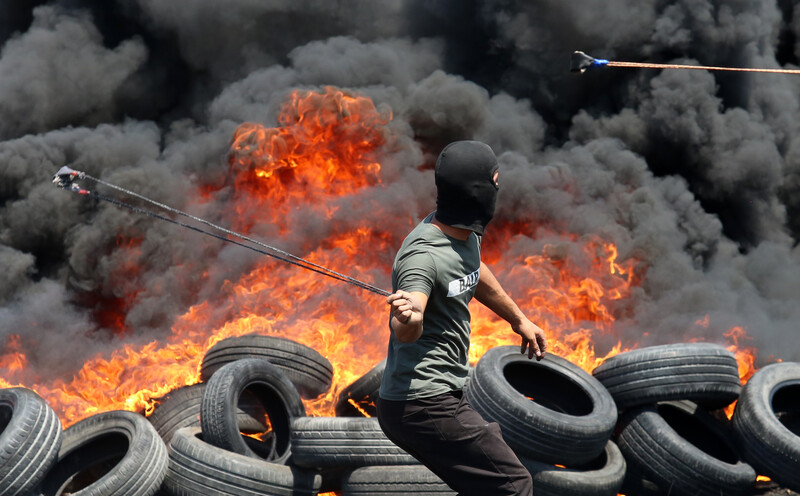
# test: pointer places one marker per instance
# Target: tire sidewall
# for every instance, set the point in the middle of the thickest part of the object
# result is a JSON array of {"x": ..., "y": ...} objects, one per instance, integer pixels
[
  {"x": 141, "y": 437},
  {"x": 763, "y": 439},
  {"x": 592, "y": 430},
  {"x": 684, "y": 464},
  {"x": 268, "y": 383}
]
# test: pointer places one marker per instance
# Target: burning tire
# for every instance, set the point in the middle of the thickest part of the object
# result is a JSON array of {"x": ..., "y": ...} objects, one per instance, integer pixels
[
  {"x": 196, "y": 467},
  {"x": 363, "y": 392},
  {"x": 705, "y": 373},
  {"x": 394, "y": 481},
  {"x": 30, "y": 436},
  {"x": 601, "y": 477},
  {"x": 326, "y": 442},
  {"x": 570, "y": 419},
  {"x": 181, "y": 408},
  {"x": 678, "y": 445},
  {"x": 310, "y": 372},
  {"x": 766, "y": 422},
  {"x": 276, "y": 394},
  {"x": 116, "y": 452}
]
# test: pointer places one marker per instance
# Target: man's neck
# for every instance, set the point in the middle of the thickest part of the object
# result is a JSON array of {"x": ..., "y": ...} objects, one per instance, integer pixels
[{"x": 453, "y": 232}]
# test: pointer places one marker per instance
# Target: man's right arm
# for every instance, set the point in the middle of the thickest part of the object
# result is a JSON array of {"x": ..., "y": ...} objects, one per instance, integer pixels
[
  {"x": 414, "y": 270},
  {"x": 407, "y": 310}
]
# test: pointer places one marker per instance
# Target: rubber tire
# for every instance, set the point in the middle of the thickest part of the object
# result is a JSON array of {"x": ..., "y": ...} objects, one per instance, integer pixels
[
  {"x": 363, "y": 391},
  {"x": 309, "y": 371},
  {"x": 181, "y": 408},
  {"x": 273, "y": 390},
  {"x": 30, "y": 436},
  {"x": 575, "y": 435},
  {"x": 697, "y": 459},
  {"x": 327, "y": 442},
  {"x": 601, "y": 477},
  {"x": 198, "y": 468},
  {"x": 766, "y": 422},
  {"x": 705, "y": 373},
  {"x": 410, "y": 480},
  {"x": 637, "y": 484},
  {"x": 135, "y": 466}
]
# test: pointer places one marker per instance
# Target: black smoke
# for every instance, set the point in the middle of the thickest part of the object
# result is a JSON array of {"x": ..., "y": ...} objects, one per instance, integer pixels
[{"x": 693, "y": 173}]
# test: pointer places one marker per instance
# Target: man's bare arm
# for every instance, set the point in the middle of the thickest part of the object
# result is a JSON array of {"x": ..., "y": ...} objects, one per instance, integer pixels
[
  {"x": 490, "y": 293},
  {"x": 407, "y": 309}
]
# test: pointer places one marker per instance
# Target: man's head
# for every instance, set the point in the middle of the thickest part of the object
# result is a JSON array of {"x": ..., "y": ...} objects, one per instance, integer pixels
[{"x": 466, "y": 184}]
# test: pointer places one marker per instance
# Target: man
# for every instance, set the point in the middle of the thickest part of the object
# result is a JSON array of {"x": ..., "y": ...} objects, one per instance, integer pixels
[{"x": 436, "y": 273}]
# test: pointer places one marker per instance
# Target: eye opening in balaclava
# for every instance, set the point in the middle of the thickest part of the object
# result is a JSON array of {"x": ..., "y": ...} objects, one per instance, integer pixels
[{"x": 466, "y": 190}]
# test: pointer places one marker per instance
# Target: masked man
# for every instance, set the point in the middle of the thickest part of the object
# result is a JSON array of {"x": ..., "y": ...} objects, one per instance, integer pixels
[{"x": 436, "y": 273}]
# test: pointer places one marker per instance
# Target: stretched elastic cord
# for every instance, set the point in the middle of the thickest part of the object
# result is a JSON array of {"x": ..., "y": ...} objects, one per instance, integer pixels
[{"x": 66, "y": 180}]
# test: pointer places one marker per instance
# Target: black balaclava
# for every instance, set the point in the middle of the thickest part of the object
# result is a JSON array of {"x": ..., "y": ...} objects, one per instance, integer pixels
[{"x": 466, "y": 191}]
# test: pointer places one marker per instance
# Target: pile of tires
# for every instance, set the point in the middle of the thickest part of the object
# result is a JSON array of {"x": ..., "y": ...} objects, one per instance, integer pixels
[
  {"x": 244, "y": 430},
  {"x": 645, "y": 422},
  {"x": 116, "y": 452},
  {"x": 673, "y": 435}
]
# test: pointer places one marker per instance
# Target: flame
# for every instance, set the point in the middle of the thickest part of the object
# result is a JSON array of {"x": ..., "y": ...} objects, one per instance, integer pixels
[
  {"x": 358, "y": 407},
  {"x": 324, "y": 147},
  {"x": 568, "y": 297},
  {"x": 745, "y": 357},
  {"x": 13, "y": 359},
  {"x": 299, "y": 176}
]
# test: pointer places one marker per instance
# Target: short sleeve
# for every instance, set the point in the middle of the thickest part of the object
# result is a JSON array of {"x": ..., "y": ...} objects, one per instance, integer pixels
[{"x": 415, "y": 271}]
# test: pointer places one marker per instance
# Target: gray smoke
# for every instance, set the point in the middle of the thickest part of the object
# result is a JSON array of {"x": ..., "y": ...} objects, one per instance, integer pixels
[
  {"x": 691, "y": 173},
  {"x": 58, "y": 73}
]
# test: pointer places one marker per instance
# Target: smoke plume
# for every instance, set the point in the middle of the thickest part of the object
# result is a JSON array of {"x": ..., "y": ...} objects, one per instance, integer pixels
[{"x": 692, "y": 174}]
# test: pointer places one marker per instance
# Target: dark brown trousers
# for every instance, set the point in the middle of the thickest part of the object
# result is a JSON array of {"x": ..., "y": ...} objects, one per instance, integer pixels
[{"x": 445, "y": 434}]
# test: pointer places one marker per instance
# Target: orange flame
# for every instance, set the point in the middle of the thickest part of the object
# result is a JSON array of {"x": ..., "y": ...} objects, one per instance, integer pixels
[
  {"x": 13, "y": 359},
  {"x": 325, "y": 146},
  {"x": 745, "y": 357},
  {"x": 569, "y": 298},
  {"x": 328, "y": 147}
]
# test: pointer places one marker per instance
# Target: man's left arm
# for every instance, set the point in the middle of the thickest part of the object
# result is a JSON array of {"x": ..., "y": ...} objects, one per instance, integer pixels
[{"x": 490, "y": 293}]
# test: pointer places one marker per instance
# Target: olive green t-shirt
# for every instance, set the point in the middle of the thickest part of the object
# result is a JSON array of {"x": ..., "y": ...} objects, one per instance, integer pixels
[{"x": 447, "y": 270}]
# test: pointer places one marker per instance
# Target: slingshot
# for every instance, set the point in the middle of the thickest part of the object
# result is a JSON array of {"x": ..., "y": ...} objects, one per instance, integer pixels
[
  {"x": 581, "y": 62},
  {"x": 66, "y": 178}
]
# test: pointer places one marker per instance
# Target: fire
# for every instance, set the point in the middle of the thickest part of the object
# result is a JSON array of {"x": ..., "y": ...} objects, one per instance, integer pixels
[
  {"x": 745, "y": 357},
  {"x": 324, "y": 147},
  {"x": 12, "y": 358},
  {"x": 304, "y": 175},
  {"x": 569, "y": 298}
]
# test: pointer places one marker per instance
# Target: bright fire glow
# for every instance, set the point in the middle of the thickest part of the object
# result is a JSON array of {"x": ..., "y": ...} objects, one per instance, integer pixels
[
  {"x": 326, "y": 151},
  {"x": 745, "y": 357}
]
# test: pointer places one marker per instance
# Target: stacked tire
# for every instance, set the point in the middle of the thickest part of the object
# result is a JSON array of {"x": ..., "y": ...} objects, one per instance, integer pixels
[
  {"x": 116, "y": 452},
  {"x": 766, "y": 423},
  {"x": 645, "y": 422},
  {"x": 231, "y": 434},
  {"x": 670, "y": 431},
  {"x": 30, "y": 437},
  {"x": 244, "y": 431},
  {"x": 557, "y": 418}
]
